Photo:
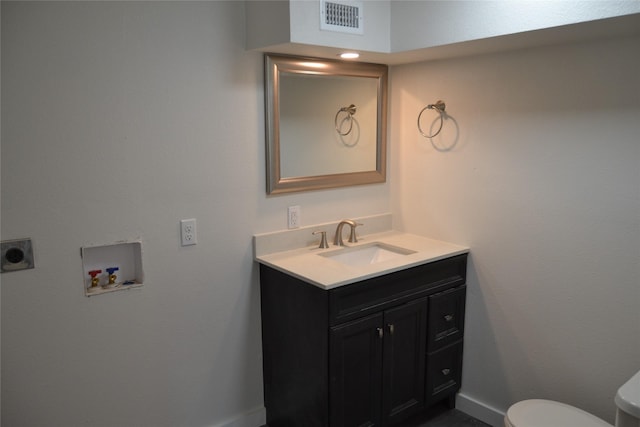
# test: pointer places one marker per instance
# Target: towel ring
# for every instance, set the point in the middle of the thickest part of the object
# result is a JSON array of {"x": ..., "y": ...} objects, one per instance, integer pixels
[
  {"x": 350, "y": 111},
  {"x": 439, "y": 106}
]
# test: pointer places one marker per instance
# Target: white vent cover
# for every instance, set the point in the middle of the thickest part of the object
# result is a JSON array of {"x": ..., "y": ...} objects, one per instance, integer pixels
[{"x": 341, "y": 15}]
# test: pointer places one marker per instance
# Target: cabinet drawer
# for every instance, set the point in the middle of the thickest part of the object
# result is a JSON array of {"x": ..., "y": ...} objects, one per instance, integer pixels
[
  {"x": 379, "y": 293},
  {"x": 444, "y": 372},
  {"x": 446, "y": 317}
]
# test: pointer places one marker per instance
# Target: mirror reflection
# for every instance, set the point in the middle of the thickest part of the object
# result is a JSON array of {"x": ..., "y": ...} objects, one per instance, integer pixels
[{"x": 326, "y": 123}]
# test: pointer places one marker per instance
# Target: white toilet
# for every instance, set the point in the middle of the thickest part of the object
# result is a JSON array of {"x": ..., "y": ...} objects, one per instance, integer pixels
[{"x": 547, "y": 413}]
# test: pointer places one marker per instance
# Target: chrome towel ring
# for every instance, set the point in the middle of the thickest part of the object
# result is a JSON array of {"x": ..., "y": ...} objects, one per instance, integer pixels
[
  {"x": 349, "y": 111},
  {"x": 439, "y": 106}
]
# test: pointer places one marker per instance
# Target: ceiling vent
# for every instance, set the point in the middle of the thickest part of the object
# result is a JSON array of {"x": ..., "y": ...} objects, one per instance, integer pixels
[{"x": 341, "y": 15}]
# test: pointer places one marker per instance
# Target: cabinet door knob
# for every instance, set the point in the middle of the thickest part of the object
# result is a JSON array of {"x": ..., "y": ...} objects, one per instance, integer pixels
[
  {"x": 446, "y": 371},
  {"x": 380, "y": 332},
  {"x": 391, "y": 328},
  {"x": 448, "y": 317}
]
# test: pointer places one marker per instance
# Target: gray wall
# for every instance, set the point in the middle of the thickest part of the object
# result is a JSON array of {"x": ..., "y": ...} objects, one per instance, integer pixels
[
  {"x": 120, "y": 119},
  {"x": 537, "y": 170}
]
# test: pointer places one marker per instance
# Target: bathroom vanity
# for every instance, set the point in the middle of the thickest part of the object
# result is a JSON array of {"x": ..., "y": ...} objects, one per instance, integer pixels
[{"x": 371, "y": 351}]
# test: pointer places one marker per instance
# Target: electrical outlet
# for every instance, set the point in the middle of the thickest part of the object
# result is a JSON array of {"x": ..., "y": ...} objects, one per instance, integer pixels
[
  {"x": 293, "y": 216},
  {"x": 188, "y": 232}
]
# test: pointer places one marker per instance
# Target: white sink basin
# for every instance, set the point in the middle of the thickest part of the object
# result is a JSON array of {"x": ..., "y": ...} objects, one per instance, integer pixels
[{"x": 371, "y": 253}]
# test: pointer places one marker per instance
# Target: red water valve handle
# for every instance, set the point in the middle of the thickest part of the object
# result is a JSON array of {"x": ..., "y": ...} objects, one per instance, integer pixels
[{"x": 94, "y": 273}]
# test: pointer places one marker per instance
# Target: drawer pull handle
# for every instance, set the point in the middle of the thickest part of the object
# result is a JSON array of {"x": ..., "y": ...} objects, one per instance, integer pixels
[
  {"x": 448, "y": 317},
  {"x": 380, "y": 332},
  {"x": 391, "y": 328},
  {"x": 446, "y": 371}
]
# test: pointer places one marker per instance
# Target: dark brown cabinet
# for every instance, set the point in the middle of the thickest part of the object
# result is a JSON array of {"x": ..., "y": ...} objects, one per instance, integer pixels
[
  {"x": 371, "y": 353},
  {"x": 377, "y": 367}
]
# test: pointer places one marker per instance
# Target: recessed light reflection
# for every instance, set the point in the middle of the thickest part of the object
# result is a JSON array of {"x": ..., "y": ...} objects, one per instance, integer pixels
[{"x": 349, "y": 55}]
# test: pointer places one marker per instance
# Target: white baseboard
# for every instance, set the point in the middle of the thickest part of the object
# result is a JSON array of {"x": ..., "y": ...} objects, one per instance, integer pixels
[
  {"x": 479, "y": 410},
  {"x": 255, "y": 418}
]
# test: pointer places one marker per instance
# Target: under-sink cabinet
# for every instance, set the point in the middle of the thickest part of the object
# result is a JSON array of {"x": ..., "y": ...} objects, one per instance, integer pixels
[{"x": 370, "y": 353}]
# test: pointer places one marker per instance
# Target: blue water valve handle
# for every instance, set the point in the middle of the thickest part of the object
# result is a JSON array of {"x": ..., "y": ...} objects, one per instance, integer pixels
[{"x": 112, "y": 276}]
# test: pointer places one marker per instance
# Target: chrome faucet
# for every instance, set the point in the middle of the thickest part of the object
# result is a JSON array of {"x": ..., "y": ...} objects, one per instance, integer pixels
[{"x": 337, "y": 240}]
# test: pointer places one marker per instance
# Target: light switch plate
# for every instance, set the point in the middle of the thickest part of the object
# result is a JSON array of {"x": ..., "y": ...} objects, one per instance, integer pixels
[{"x": 16, "y": 255}]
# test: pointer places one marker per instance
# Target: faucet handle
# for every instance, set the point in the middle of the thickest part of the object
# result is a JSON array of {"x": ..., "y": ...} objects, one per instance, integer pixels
[
  {"x": 352, "y": 236},
  {"x": 323, "y": 239}
]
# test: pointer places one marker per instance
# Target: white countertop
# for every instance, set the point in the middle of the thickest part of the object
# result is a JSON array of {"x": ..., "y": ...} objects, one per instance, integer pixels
[{"x": 306, "y": 263}]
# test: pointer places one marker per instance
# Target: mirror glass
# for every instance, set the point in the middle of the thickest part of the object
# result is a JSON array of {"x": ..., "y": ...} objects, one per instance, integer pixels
[{"x": 326, "y": 123}]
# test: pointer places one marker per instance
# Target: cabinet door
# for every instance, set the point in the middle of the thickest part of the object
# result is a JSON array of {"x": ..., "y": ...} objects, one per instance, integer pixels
[
  {"x": 355, "y": 366},
  {"x": 404, "y": 361}
]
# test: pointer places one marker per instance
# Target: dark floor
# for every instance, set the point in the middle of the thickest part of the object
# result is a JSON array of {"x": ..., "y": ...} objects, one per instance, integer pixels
[
  {"x": 447, "y": 418},
  {"x": 442, "y": 417},
  {"x": 454, "y": 418}
]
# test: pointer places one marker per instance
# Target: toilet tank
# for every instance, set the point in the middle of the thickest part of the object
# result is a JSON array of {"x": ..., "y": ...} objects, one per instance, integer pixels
[{"x": 628, "y": 402}]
